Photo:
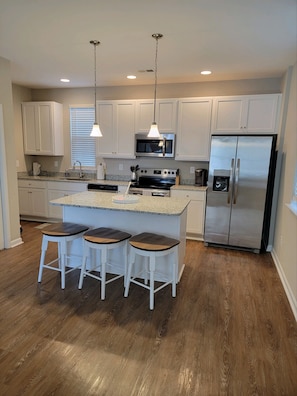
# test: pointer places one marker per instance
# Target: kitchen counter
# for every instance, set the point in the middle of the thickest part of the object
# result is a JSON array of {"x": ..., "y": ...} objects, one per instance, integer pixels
[
  {"x": 189, "y": 187},
  {"x": 145, "y": 204},
  {"x": 61, "y": 178},
  {"x": 165, "y": 216}
]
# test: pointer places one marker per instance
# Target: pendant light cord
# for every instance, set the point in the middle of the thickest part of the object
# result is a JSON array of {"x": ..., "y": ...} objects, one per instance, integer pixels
[
  {"x": 156, "y": 36},
  {"x": 156, "y": 72},
  {"x": 95, "y": 43}
]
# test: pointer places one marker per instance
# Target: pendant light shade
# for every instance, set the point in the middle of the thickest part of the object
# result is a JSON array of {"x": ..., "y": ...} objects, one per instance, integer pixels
[
  {"x": 154, "y": 131},
  {"x": 96, "y": 132}
]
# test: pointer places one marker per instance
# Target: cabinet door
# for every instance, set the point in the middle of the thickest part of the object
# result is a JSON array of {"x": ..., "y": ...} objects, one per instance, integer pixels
[
  {"x": 33, "y": 202},
  {"x": 166, "y": 115},
  {"x": 29, "y": 128},
  {"x": 228, "y": 113},
  {"x": 24, "y": 201},
  {"x": 117, "y": 123},
  {"x": 193, "y": 134},
  {"x": 246, "y": 114},
  {"x": 43, "y": 128},
  {"x": 39, "y": 202},
  {"x": 195, "y": 212},
  {"x": 125, "y": 125},
  {"x": 106, "y": 119},
  {"x": 262, "y": 114}
]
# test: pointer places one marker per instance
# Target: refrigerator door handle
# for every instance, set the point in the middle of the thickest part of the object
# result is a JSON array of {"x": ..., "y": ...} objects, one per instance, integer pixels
[
  {"x": 231, "y": 181},
  {"x": 236, "y": 181}
]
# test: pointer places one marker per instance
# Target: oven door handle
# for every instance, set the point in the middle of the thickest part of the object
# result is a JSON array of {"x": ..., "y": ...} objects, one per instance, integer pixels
[
  {"x": 158, "y": 194},
  {"x": 164, "y": 147}
]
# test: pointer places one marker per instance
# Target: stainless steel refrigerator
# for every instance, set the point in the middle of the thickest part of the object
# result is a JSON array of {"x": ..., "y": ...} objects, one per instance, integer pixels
[{"x": 239, "y": 194}]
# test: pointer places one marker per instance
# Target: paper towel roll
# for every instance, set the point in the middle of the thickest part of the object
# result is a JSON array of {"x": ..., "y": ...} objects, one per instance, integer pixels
[{"x": 100, "y": 172}]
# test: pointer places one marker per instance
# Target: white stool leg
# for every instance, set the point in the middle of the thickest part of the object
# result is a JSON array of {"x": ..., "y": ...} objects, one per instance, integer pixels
[
  {"x": 152, "y": 264},
  {"x": 130, "y": 266},
  {"x": 174, "y": 267},
  {"x": 103, "y": 271},
  {"x": 63, "y": 259},
  {"x": 42, "y": 257},
  {"x": 83, "y": 266}
]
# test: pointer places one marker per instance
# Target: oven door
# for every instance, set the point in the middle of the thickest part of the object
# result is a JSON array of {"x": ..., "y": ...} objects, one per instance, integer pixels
[{"x": 155, "y": 147}]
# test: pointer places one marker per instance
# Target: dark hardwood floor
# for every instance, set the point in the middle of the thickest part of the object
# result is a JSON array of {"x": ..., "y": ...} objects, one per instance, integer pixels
[{"x": 229, "y": 331}]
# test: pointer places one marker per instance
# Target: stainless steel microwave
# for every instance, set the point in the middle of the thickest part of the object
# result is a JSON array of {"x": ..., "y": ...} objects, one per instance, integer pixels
[{"x": 163, "y": 147}]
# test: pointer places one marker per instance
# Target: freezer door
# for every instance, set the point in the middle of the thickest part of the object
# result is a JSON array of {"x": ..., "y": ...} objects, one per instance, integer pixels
[
  {"x": 220, "y": 188},
  {"x": 250, "y": 185}
]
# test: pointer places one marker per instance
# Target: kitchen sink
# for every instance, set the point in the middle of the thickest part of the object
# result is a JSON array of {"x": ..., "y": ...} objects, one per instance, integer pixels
[{"x": 76, "y": 178}]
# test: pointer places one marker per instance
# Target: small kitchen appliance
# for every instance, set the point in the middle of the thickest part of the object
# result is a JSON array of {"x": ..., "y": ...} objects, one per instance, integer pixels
[
  {"x": 134, "y": 170},
  {"x": 160, "y": 147},
  {"x": 36, "y": 168},
  {"x": 200, "y": 177}
]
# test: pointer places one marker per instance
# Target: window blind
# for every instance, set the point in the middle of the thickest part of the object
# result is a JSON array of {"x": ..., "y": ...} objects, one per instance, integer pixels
[{"x": 83, "y": 146}]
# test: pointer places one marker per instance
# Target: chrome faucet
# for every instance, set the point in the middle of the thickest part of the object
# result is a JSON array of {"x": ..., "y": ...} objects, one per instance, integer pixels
[{"x": 80, "y": 170}]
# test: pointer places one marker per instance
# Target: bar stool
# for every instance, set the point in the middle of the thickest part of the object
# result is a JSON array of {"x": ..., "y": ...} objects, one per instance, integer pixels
[
  {"x": 61, "y": 233},
  {"x": 151, "y": 246},
  {"x": 103, "y": 239}
]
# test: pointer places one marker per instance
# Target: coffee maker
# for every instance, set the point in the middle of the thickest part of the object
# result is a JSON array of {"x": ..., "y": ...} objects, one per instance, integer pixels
[{"x": 201, "y": 177}]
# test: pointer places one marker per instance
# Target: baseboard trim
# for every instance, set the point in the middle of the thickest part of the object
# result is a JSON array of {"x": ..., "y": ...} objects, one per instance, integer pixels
[
  {"x": 16, "y": 242},
  {"x": 285, "y": 283}
]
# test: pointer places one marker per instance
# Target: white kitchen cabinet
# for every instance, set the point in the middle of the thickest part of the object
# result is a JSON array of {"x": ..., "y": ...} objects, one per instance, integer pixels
[
  {"x": 196, "y": 211},
  {"x": 246, "y": 114},
  {"x": 57, "y": 190},
  {"x": 193, "y": 133},
  {"x": 117, "y": 123},
  {"x": 166, "y": 115},
  {"x": 43, "y": 128},
  {"x": 32, "y": 199}
]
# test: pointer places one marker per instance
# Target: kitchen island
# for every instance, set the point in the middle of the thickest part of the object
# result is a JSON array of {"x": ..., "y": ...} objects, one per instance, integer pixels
[{"x": 166, "y": 216}]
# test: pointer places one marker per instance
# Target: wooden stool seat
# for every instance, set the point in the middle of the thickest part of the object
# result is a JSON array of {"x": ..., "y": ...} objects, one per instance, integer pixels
[
  {"x": 103, "y": 239},
  {"x": 153, "y": 242},
  {"x": 63, "y": 229},
  {"x": 151, "y": 246},
  {"x": 61, "y": 233}
]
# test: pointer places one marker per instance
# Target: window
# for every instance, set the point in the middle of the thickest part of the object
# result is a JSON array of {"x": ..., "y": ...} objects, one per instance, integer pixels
[{"x": 83, "y": 146}]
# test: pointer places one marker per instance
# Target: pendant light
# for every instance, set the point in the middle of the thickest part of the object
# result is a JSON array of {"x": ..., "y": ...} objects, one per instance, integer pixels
[
  {"x": 96, "y": 129},
  {"x": 154, "y": 131}
]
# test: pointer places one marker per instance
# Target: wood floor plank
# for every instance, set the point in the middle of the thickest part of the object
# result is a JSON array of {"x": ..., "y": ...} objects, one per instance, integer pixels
[{"x": 229, "y": 331}]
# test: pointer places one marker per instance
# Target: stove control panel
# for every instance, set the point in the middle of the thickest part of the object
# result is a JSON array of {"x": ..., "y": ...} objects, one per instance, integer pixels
[{"x": 158, "y": 172}]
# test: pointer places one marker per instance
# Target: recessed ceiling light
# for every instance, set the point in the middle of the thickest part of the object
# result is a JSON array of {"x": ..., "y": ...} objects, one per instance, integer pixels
[
  {"x": 64, "y": 80},
  {"x": 131, "y": 77},
  {"x": 206, "y": 72}
]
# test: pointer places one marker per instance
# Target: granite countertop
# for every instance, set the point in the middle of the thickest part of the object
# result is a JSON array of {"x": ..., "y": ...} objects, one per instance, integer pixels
[
  {"x": 61, "y": 178},
  {"x": 92, "y": 179},
  {"x": 190, "y": 187},
  {"x": 145, "y": 204}
]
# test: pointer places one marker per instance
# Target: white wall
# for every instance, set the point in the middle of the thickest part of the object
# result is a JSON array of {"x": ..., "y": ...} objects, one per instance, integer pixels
[
  {"x": 9, "y": 182},
  {"x": 285, "y": 239}
]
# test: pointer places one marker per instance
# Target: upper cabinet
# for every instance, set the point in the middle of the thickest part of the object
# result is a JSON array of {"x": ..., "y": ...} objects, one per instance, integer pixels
[
  {"x": 43, "y": 128},
  {"x": 193, "y": 131},
  {"x": 246, "y": 114},
  {"x": 166, "y": 115},
  {"x": 117, "y": 123}
]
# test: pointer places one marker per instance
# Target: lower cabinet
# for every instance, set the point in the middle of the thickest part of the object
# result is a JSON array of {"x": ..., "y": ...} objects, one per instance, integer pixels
[
  {"x": 57, "y": 190},
  {"x": 33, "y": 199},
  {"x": 196, "y": 211}
]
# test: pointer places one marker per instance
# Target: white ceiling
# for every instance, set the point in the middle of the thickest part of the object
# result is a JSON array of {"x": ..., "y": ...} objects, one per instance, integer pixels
[{"x": 236, "y": 39}]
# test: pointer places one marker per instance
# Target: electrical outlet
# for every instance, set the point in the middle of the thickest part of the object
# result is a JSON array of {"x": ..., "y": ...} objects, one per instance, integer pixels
[
  {"x": 121, "y": 167},
  {"x": 17, "y": 163},
  {"x": 192, "y": 169},
  {"x": 56, "y": 164}
]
